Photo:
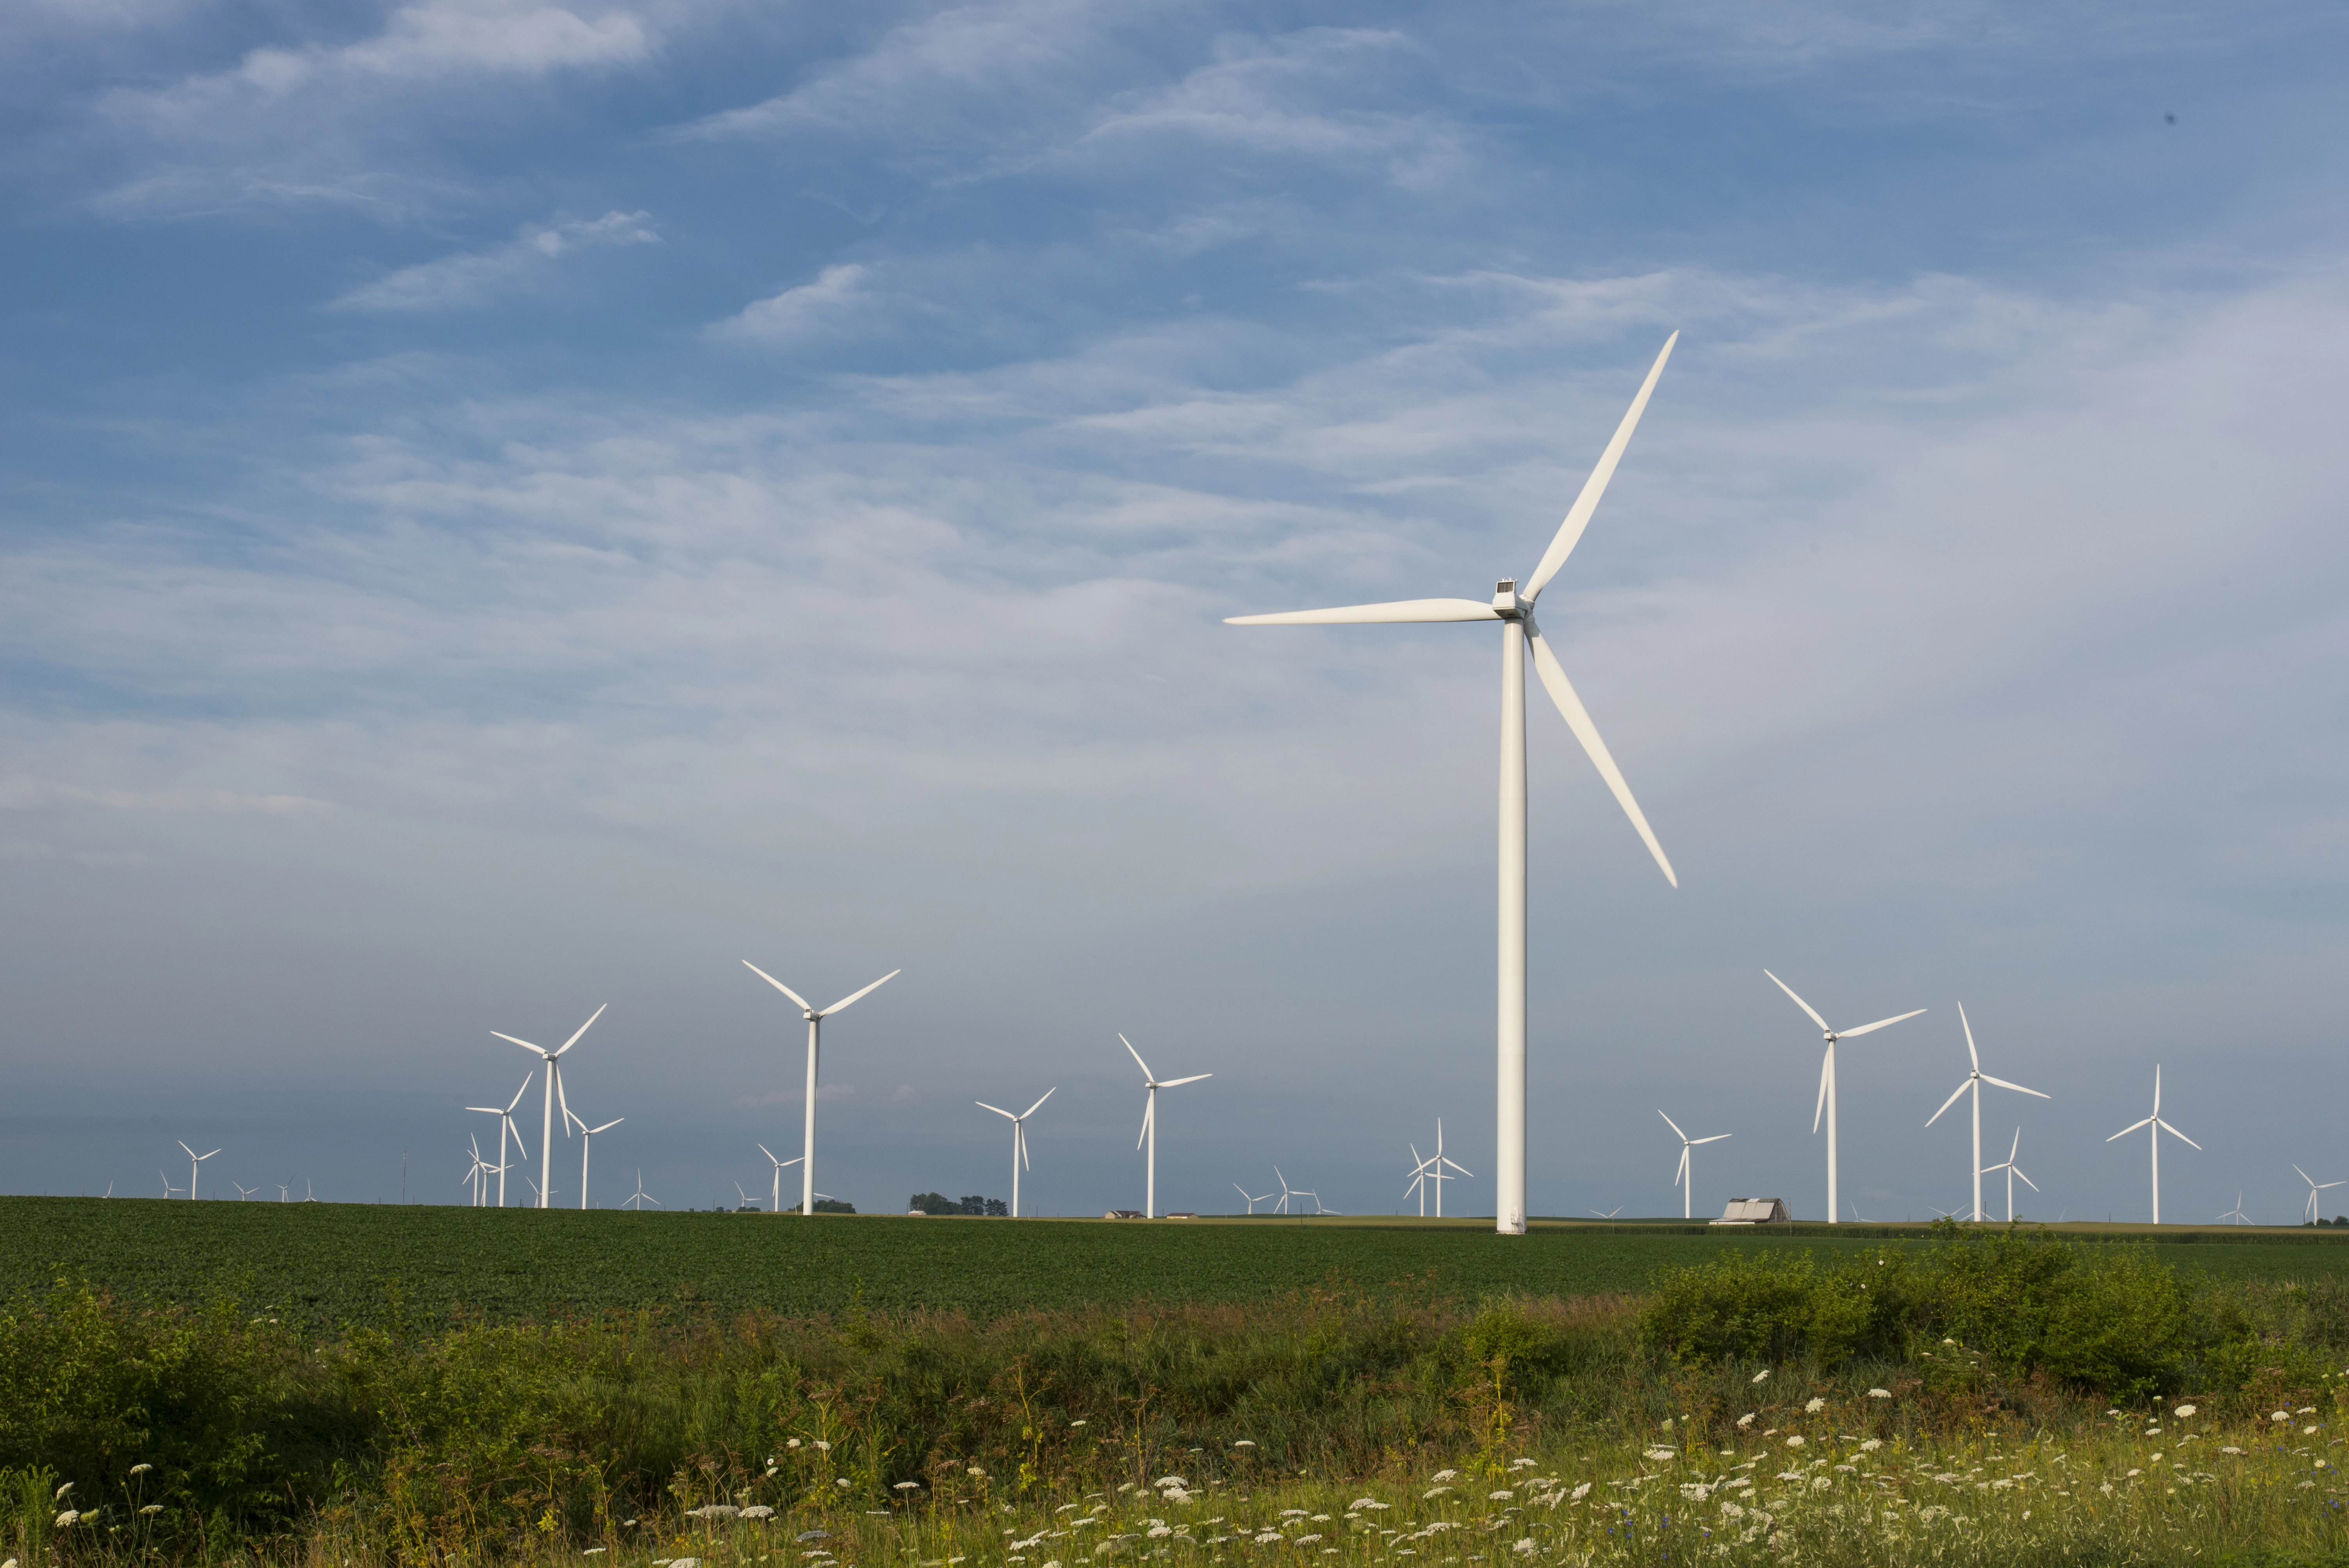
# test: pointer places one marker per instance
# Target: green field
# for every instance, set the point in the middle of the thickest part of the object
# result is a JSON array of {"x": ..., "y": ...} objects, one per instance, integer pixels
[{"x": 329, "y": 1262}]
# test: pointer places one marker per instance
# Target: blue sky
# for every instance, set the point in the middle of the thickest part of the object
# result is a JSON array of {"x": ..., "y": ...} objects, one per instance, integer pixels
[{"x": 514, "y": 506}]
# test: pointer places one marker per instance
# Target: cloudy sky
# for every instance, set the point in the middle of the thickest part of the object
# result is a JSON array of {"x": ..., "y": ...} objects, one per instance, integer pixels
[{"x": 513, "y": 506}]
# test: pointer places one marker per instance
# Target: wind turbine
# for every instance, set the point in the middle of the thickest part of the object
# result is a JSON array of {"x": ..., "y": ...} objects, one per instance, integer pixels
[
  {"x": 2013, "y": 1171},
  {"x": 1287, "y": 1192},
  {"x": 554, "y": 1083},
  {"x": 195, "y": 1161},
  {"x": 1020, "y": 1137},
  {"x": 639, "y": 1197},
  {"x": 780, "y": 1166},
  {"x": 2158, "y": 1127},
  {"x": 2236, "y": 1213},
  {"x": 2314, "y": 1187},
  {"x": 586, "y": 1141},
  {"x": 283, "y": 1188},
  {"x": 1974, "y": 1080},
  {"x": 1610, "y": 1213},
  {"x": 168, "y": 1188},
  {"x": 1418, "y": 1180},
  {"x": 815, "y": 1017},
  {"x": 1265, "y": 1197},
  {"x": 1150, "y": 1123},
  {"x": 1514, "y": 612},
  {"x": 244, "y": 1193},
  {"x": 1685, "y": 1177},
  {"x": 472, "y": 1178},
  {"x": 1828, "y": 1078},
  {"x": 505, "y": 1125}
]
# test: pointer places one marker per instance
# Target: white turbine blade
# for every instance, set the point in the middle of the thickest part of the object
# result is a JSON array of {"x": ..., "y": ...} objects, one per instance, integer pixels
[
  {"x": 1970, "y": 1052},
  {"x": 2163, "y": 1125},
  {"x": 519, "y": 1092},
  {"x": 1827, "y": 1065},
  {"x": 1416, "y": 1163},
  {"x": 1577, "y": 518},
  {"x": 562, "y": 1098},
  {"x": 771, "y": 1156},
  {"x": 2015, "y": 1087},
  {"x": 1241, "y": 1190},
  {"x": 216, "y": 1151},
  {"x": 2303, "y": 1175},
  {"x": 1149, "y": 1111},
  {"x": 1178, "y": 1083},
  {"x": 488, "y": 1109},
  {"x": 1398, "y": 610},
  {"x": 569, "y": 1119},
  {"x": 191, "y": 1153},
  {"x": 590, "y": 1132},
  {"x": 1675, "y": 1127},
  {"x": 582, "y": 1029},
  {"x": 2157, "y": 1090},
  {"x": 778, "y": 986},
  {"x": 847, "y": 1002},
  {"x": 1040, "y": 1102},
  {"x": 1019, "y": 1136},
  {"x": 1577, "y": 719},
  {"x": 2025, "y": 1180},
  {"x": 997, "y": 1109},
  {"x": 1681, "y": 1174},
  {"x": 2132, "y": 1127},
  {"x": 2017, "y": 1147},
  {"x": 1457, "y": 1166},
  {"x": 1880, "y": 1023},
  {"x": 1805, "y": 1007},
  {"x": 1146, "y": 1075},
  {"x": 1950, "y": 1101},
  {"x": 1715, "y": 1139},
  {"x": 525, "y": 1045},
  {"x": 2321, "y": 1186}
]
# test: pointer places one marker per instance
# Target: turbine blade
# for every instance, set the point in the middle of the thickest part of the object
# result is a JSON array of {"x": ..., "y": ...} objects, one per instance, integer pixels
[
  {"x": 1178, "y": 1083},
  {"x": 1826, "y": 1067},
  {"x": 590, "y": 1131},
  {"x": 1457, "y": 1166},
  {"x": 2163, "y": 1125},
  {"x": 1577, "y": 719},
  {"x": 997, "y": 1109},
  {"x": 1577, "y": 517},
  {"x": 1715, "y": 1139},
  {"x": 2157, "y": 1089},
  {"x": 2303, "y": 1175},
  {"x": 778, "y": 986},
  {"x": 1040, "y": 1102},
  {"x": 1674, "y": 1125},
  {"x": 2132, "y": 1127},
  {"x": 2015, "y": 1087},
  {"x": 525, "y": 1045},
  {"x": 846, "y": 1002},
  {"x": 1805, "y": 1007},
  {"x": 562, "y": 1098},
  {"x": 582, "y": 1029},
  {"x": 1970, "y": 1052},
  {"x": 2025, "y": 1180},
  {"x": 1146, "y": 1073},
  {"x": 1880, "y": 1023},
  {"x": 1681, "y": 1174},
  {"x": 1395, "y": 612},
  {"x": 519, "y": 1092},
  {"x": 1148, "y": 1112},
  {"x": 191, "y": 1153},
  {"x": 771, "y": 1156},
  {"x": 1949, "y": 1102},
  {"x": 1019, "y": 1135}
]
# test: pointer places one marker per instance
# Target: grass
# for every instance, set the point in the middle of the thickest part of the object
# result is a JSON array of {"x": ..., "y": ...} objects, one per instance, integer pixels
[{"x": 343, "y": 1265}]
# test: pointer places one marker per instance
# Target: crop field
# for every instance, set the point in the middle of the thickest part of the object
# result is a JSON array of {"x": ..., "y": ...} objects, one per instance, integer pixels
[{"x": 329, "y": 1263}]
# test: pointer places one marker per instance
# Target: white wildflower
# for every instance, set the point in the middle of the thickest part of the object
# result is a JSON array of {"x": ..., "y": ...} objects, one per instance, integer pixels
[
  {"x": 68, "y": 1519},
  {"x": 2185, "y": 1411},
  {"x": 1815, "y": 1406},
  {"x": 1579, "y": 1492},
  {"x": 1762, "y": 1374},
  {"x": 1879, "y": 1393},
  {"x": 1795, "y": 1441},
  {"x": 1499, "y": 1496},
  {"x": 140, "y": 1469},
  {"x": 1447, "y": 1475},
  {"x": 1746, "y": 1420},
  {"x": 2281, "y": 1415}
]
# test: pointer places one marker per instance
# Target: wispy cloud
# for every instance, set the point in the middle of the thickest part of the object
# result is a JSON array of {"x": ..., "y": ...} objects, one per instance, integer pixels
[
  {"x": 836, "y": 300},
  {"x": 21, "y": 794},
  {"x": 471, "y": 278}
]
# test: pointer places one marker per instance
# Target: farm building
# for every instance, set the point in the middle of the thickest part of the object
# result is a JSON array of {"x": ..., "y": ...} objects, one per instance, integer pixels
[{"x": 1756, "y": 1212}]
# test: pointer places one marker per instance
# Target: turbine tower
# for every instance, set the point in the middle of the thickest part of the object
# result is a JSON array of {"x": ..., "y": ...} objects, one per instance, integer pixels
[
  {"x": 1150, "y": 1122},
  {"x": 815, "y": 1017},
  {"x": 1514, "y": 611},
  {"x": 1020, "y": 1137},
  {"x": 2013, "y": 1171},
  {"x": 2158, "y": 1127},
  {"x": 586, "y": 1144},
  {"x": 1827, "y": 1079},
  {"x": 1974, "y": 1080},
  {"x": 546, "y": 1123},
  {"x": 195, "y": 1161},
  {"x": 1685, "y": 1177},
  {"x": 2314, "y": 1187}
]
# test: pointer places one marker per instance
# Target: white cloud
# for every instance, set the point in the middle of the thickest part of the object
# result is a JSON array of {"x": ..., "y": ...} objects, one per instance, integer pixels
[
  {"x": 469, "y": 279},
  {"x": 837, "y": 301},
  {"x": 22, "y": 794}
]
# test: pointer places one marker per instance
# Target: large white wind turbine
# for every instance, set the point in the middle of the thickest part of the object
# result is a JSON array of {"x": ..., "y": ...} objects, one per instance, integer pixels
[
  {"x": 546, "y": 1123},
  {"x": 2158, "y": 1127},
  {"x": 815, "y": 1017},
  {"x": 506, "y": 1129},
  {"x": 2314, "y": 1187},
  {"x": 195, "y": 1161},
  {"x": 1828, "y": 1078},
  {"x": 1514, "y": 611},
  {"x": 586, "y": 1144},
  {"x": 1974, "y": 1080},
  {"x": 1685, "y": 1177},
  {"x": 1020, "y": 1137},
  {"x": 2013, "y": 1171},
  {"x": 1150, "y": 1122}
]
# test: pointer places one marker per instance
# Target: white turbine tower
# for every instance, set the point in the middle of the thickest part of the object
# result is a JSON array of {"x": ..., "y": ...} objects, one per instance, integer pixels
[
  {"x": 815, "y": 1017},
  {"x": 1252, "y": 1201},
  {"x": 546, "y": 1123},
  {"x": 1685, "y": 1177},
  {"x": 2158, "y": 1127},
  {"x": 195, "y": 1161},
  {"x": 779, "y": 1165},
  {"x": 1827, "y": 1079},
  {"x": 1514, "y": 611},
  {"x": 506, "y": 1128},
  {"x": 1020, "y": 1137},
  {"x": 2314, "y": 1187},
  {"x": 1974, "y": 1080},
  {"x": 639, "y": 1197},
  {"x": 586, "y": 1142},
  {"x": 1150, "y": 1122},
  {"x": 2013, "y": 1171}
]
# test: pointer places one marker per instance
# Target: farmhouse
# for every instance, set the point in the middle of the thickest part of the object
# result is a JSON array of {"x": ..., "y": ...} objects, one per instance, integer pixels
[{"x": 1756, "y": 1212}]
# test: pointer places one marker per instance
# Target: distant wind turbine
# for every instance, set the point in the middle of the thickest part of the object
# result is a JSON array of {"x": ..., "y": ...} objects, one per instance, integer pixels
[
  {"x": 244, "y": 1193},
  {"x": 779, "y": 1165},
  {"x": 586, "y": 1142},
  {"x": 1514, "y": 611},
  {"x": 506, "y": 1128},
  {"x": 639, "y": 1197},
  {"x": 2236, "y": 1213},
  {"x": 1252, "y": 1201},
  {"x": 1828, "y": 1078},
  {"x": 195, "y": 1161},
  {"x": 2157, "y": 1126},
  {"x": 815, "y": 1017},
  {"x": 1150, "y": 1123},
  {"x": 553, "y": 1085},
  {"x": 1974, "y": 1080},
  {"x": 1610, "y": 1213},
  {"x": 1685, "y": 1177},
  {"x": 2314, "y": 1187},
  {"x": 1020, "y": 1137},
  {"x": 2013, "y": 1171},
  {"x": 1287, "y": 1192},
  {"x": 283, "y": 1188},
  {"x": 1430, "y": 1170},
  {"x": 168, "y": 1188}
]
